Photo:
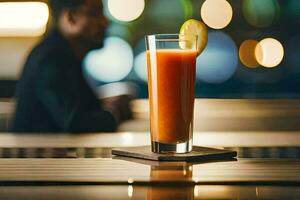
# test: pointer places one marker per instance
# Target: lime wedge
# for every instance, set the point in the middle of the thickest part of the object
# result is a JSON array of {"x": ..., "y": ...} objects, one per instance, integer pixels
[{"x": 189, "y": 30}]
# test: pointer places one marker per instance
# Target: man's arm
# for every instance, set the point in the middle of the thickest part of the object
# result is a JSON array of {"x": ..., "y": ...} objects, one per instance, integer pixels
[{"x": 59, "y": 96}]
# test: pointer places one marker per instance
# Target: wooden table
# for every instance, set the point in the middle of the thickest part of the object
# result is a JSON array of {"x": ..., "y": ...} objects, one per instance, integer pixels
[{"x": 112, "y": 177}]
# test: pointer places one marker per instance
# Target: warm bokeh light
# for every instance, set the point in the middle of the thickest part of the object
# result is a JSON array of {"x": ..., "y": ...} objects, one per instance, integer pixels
[
  {"x": 247, "y": 53},
  {"x": 218, "y": 62},
  {"x": 216, "y": 14},
  {"x": 111, "y": 63},
  {"x": 269, "y": 52},
  {"x": 260, "y": 13},
  {"x": 23, "y": 18},
  {"x": 126, "y": 11}
]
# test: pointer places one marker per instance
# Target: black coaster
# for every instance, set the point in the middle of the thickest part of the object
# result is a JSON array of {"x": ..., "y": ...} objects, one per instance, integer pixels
[{"x": 197, "y": 154}]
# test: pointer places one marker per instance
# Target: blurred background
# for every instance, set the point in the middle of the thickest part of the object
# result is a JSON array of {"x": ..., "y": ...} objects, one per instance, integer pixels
[
  {"x": 253, "y": 49},
  {"x": 248, "y": 77}
]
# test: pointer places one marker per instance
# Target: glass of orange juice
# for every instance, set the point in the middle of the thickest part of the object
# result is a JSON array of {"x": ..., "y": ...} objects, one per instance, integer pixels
[{"x": 171, "y": 60}]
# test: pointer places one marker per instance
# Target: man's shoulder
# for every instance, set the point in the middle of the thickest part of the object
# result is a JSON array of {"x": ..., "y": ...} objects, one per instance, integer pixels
[
  {"x": 47, "y": 50},
  {"x": 47, "y": 59}
]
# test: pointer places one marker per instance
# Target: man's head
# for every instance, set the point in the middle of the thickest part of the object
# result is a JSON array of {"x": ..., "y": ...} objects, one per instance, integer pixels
[{"x": 80, "y": 20}]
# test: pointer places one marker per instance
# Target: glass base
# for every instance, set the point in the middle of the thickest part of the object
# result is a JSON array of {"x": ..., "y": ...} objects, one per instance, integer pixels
[{"x": 185, "y": 147}]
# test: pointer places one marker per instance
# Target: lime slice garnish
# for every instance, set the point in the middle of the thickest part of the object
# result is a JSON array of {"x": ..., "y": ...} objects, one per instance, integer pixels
[{"x": 189, "y": 30}]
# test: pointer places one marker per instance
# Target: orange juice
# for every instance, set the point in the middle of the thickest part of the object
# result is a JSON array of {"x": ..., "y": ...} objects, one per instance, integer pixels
[{"x": 171, "y": 78}]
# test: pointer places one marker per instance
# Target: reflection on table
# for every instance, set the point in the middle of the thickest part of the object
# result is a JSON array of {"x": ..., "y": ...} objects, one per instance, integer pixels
[
  {"x": 182, "y": 171},
  {"x": 123, "y": 192}
]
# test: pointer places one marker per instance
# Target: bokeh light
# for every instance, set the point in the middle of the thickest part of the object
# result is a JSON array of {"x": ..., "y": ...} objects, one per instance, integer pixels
[
  {"x": 216, "y": 14},
  {"x": 219, "y": 60},
  {"x": 140, "y": 66},
  {"x": 111, "y": 63},
  {"x": 247, "y": 53},
  {"x": 269, "y": 52},
  {"x": 126, "y": 11},
  {"x": 261, "y": 13},
  {"x": 23, "y": 18}
]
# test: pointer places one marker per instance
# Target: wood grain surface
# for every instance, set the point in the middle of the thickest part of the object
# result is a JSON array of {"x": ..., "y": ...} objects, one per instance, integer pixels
[
  {"x": 103, "y": 192},
  {"x": 120, "y": 171}
]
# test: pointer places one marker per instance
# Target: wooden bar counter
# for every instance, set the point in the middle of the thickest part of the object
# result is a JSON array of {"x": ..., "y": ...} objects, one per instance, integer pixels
[{"x": 268, "y": 167}]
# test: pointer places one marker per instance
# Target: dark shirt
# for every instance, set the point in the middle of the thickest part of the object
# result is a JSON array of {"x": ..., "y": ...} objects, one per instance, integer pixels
[{"x": 53, "y": 95}]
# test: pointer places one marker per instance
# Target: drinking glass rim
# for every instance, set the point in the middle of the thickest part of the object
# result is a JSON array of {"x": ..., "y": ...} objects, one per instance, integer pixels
[{"x": 169, "y": 39}]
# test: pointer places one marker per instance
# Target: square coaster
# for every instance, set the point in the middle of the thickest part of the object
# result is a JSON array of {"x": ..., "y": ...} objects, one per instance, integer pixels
[{"x": 197, "y": 154}]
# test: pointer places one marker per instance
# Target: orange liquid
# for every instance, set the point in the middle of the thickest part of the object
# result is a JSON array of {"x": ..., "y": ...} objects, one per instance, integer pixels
[{"x": 171, "y": 78}]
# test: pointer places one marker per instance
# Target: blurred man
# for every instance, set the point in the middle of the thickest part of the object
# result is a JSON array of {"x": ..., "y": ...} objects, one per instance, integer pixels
[{"x": 52, "y": 94}]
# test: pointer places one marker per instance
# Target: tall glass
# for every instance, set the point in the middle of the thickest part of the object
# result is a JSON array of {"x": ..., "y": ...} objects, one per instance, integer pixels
[{"x": 171, "y": 60}]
